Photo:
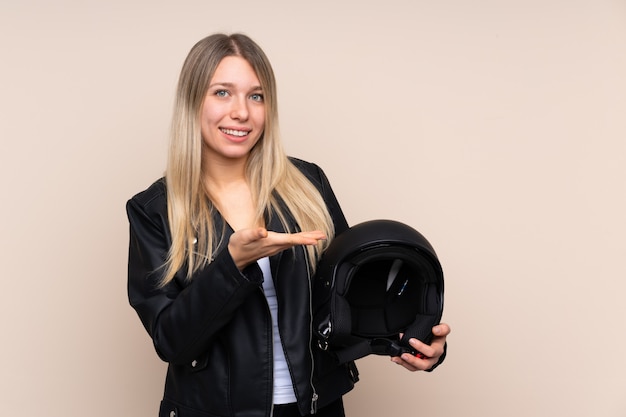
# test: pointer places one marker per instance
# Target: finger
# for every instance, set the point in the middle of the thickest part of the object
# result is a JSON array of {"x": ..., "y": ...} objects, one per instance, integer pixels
[
  {"x": 261, "y": 232},
  {"x": 286, "y": 240},
  {"x": 417, "y": 363},
  {"x": 248, "y": 236},
  {"x": 311, "y": 238},
  {"x": 315, "y": 234},
  {"x": 442, "y": 329},
  {"x": 399, "y": 361},
  {"x": 414, "y": 363},
  {"x": 434, "y": 350}
]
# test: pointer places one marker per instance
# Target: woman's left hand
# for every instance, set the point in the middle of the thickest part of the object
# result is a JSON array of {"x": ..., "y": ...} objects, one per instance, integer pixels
[{"x": 430, "y": 353}]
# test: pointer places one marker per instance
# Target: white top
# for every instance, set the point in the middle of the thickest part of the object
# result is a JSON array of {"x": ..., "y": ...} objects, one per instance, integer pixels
[{"x": 283, "y": 387}]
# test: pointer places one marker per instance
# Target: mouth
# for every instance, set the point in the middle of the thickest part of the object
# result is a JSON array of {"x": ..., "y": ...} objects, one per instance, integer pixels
[{"x": 235, "y": 132}]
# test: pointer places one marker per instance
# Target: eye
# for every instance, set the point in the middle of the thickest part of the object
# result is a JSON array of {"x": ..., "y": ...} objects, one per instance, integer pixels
[
  {"x": 221, "y": 93},
  {"x": 257, "y": 97}
]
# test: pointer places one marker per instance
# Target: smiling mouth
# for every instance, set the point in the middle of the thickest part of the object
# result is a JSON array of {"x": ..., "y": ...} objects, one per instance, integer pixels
[{"x": 232, "y": 132}]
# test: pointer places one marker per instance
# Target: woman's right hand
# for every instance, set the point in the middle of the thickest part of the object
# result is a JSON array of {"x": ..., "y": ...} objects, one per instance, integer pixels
[{"x": 249, "y": 245}]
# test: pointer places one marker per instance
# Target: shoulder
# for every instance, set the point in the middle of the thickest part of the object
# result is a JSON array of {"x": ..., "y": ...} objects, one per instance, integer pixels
[
  {"x": 302, "y": 164},
  {"x": 152, "y": 199},
  {"x": 312, "y": 171}
]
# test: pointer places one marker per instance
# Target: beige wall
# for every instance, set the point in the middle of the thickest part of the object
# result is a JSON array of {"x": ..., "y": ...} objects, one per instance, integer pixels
[{"x": 497, "y": 128}]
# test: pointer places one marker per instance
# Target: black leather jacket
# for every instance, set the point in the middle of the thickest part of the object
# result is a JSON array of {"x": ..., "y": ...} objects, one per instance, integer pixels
[{"x": 215, "y": 331}]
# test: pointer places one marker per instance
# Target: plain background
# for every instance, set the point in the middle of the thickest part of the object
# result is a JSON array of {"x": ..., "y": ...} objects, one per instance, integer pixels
[{"x": 496, "y": 128}]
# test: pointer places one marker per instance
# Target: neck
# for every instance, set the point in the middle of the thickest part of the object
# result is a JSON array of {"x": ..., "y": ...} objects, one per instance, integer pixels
[
  {"x": 229, "y": 191},
  {"x": 222, "y": 171}
]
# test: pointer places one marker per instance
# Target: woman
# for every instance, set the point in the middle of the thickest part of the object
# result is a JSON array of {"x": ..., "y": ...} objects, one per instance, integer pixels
[{"x": 231, "y": 233}]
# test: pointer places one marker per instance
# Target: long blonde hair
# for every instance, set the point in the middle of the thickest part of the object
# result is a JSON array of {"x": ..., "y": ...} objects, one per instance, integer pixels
[{"x": 273, "y": 178}]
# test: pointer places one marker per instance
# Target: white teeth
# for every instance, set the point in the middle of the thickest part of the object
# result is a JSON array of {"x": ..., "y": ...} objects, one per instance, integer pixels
[{"x": 235, "y": 132}]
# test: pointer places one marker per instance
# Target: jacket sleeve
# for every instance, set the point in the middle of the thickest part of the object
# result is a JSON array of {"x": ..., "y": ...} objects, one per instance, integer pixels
[{"x": 183, "y": 316}]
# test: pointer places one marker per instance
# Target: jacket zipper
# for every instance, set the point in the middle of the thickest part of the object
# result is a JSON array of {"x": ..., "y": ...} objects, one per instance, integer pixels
[
  {"x": 314, "y": 397},
  {"x": 269, "y": 313}
]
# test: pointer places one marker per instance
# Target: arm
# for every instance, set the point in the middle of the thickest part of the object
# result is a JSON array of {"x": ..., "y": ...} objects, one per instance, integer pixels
[{"x": 182, "y": 317}]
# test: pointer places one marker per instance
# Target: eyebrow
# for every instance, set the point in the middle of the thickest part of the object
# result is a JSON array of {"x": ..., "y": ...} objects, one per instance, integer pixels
[{"x": 231, "y": 85}]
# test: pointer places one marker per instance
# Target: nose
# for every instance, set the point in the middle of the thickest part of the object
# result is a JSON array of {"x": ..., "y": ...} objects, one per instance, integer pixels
[{"x": 239, "y": 110}]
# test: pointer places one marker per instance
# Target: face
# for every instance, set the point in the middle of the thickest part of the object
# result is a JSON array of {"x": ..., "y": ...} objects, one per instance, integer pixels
[{"x": 233, "y": 111}]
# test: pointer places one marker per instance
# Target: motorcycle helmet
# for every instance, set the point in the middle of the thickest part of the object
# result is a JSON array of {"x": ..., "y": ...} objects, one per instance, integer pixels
[{"x": 376, "y": 280}]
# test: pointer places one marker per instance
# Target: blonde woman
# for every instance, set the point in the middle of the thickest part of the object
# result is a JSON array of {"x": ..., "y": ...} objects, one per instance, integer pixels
[{"x": 223, "y": 247}]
